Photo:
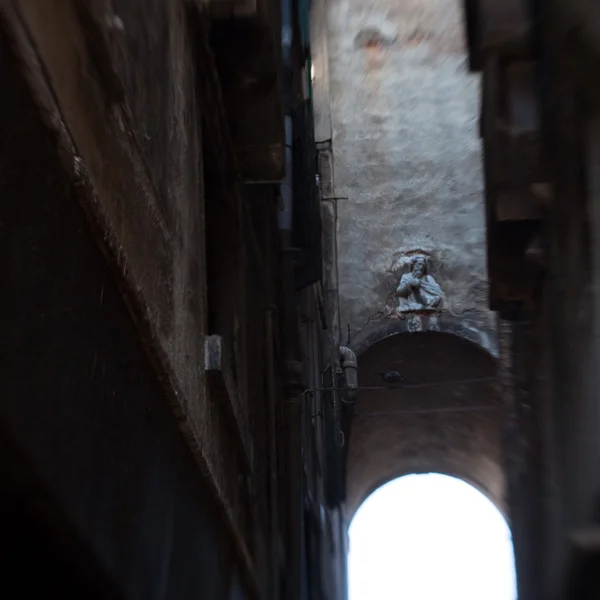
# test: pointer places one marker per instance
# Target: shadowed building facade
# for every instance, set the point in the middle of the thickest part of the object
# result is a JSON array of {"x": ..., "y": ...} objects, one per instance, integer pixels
[
  {"x": 161, "y": 317},
  {"x": 255, "y": 269}
]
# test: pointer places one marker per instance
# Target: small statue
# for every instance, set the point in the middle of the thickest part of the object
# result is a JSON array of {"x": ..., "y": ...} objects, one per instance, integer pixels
[{"x": 419, "y": 291}]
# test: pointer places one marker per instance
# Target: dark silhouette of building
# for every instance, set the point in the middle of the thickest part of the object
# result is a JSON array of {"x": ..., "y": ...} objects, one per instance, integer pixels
[
  {"x": 175, "y": 405},
  {"x": 541, "y": 140},
  {"x": 163, "y": 310}
]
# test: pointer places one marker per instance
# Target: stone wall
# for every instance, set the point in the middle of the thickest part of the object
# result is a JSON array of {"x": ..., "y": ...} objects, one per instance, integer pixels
[
  {"x": 116, "y": 135},
  {"x": 98, "y": 484},
  {"x": 157, "y": 338},
  {"x": 549, "y": 347},
  {"x": 432, "y": 424},
  {"x": 397, "y": 121},
  {"x": 404, "y": 114},
  {"x": 564, "y": 368}
]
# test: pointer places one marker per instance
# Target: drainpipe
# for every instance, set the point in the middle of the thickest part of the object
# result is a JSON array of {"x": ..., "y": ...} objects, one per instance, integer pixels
[
  {"x": 293, "y": 388},
  {"x": 287, "y": 196},
  {"x": 349, "y": 365},
  {"x": 272, "y": 397},
  {"x": 350, "y": 370}
]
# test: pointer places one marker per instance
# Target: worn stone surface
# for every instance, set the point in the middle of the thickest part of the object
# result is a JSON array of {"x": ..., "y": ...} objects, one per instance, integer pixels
[
  {"x": 149, "y": 230},
  {"x": 92, "y": 453},
  {"x": 443, "y": 416},
  {"x": 404, "y": 111},
  {"x": 122, "y": 192},
  {"x": 132, "y": 151},
  {"x": 407, "y": 156}
]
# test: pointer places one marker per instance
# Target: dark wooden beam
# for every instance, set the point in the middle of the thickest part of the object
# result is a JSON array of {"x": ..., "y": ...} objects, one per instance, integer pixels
[
  {"x": 496, "y": 27},
  {"x": 248, "y": 60},
  {"x": 514, "y": 181},
  {"x": 583, "y": 581}
]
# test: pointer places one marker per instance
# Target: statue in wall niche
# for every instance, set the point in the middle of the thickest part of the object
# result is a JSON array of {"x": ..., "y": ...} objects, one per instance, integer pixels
[{"x": 418, "y": 290}]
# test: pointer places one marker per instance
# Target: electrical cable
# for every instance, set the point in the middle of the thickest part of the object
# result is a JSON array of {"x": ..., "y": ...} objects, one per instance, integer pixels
[
  {"x": 401, "y": 386},
  {"x": 423, "y": 411}
]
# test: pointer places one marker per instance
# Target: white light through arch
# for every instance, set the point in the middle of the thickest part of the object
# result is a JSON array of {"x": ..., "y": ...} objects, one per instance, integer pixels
[{"x": 430, "y": 537}]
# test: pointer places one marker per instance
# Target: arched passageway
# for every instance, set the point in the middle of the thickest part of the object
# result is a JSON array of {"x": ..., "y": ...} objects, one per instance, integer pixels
[
  {"x": 430, "y": 536},
  {"x": 445, "y": 416}
]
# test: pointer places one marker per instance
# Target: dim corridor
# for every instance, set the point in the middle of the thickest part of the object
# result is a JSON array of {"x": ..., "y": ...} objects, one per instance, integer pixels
[{"x": 264, "y": 257}]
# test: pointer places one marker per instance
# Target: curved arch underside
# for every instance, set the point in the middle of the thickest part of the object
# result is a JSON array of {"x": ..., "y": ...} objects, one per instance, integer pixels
[{"x": 447, "y": 419}]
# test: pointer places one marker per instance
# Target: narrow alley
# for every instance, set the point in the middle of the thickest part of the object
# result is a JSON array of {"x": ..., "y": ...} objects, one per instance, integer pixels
[{"x": 265, "y": 258}]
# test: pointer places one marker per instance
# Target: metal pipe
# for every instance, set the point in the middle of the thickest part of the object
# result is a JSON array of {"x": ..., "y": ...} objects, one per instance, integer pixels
[
  {"x": 292, "y": 412},
  {"x": 272, "y": 449},
  {"x": 427, "y": 411},
  {"x": 286, "y": 188},
  {"x": 349, "y": 364},
  {"x": 287, "y": 199},
  {"x": 350, "y": 369}
]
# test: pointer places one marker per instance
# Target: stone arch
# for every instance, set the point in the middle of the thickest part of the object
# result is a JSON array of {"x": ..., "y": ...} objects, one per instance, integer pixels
[
  {"x": 444, "y": 418},
  {"x": 444, "y": 323}
]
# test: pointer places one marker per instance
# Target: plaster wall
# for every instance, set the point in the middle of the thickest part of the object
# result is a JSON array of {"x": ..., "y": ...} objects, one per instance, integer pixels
[{"x": 404, "y": 115}]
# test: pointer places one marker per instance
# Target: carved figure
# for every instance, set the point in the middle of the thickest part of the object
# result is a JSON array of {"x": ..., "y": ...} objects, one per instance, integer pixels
[{"x": 418, "y": 290}]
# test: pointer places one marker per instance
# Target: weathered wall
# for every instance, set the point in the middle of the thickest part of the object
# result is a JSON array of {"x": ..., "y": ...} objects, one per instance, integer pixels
[
  {"x": 397, "y": 115},
  {"x": 136, "y": 147},
  {"x": 431, "y": 424},
  {"x": 404, "y": 111},
  {"x": 131, "y": 156},
  {"x": 91, "y": 448},
  {"x": 567, "y": 330},
  {"x": 550, "y": 350},
  {"x": 134, "y": 246}
]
